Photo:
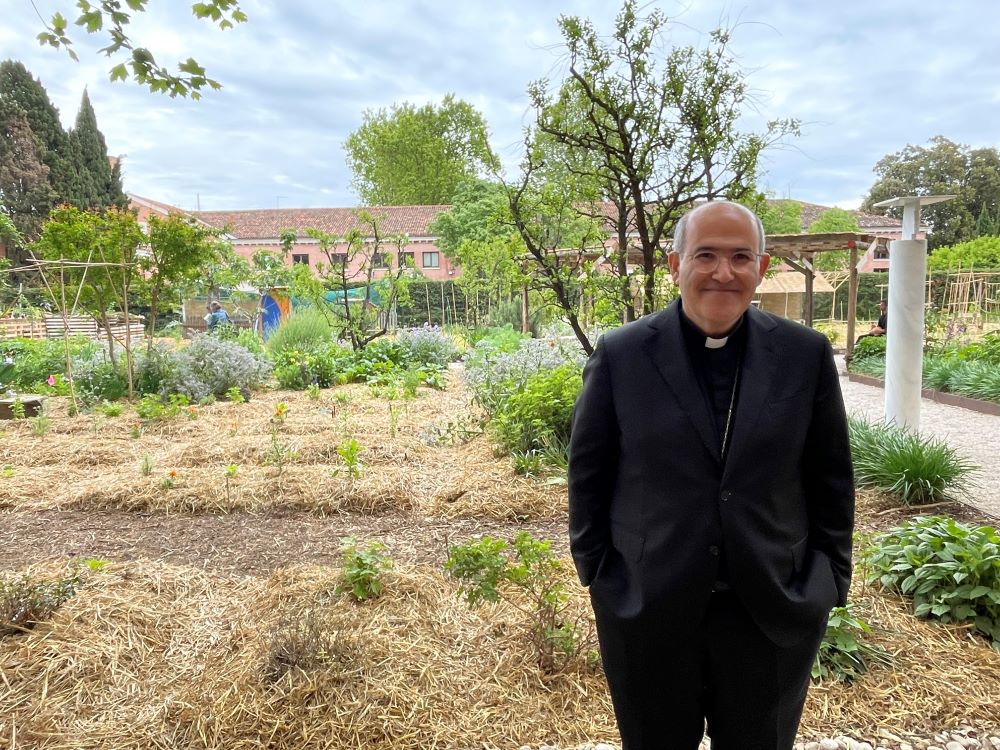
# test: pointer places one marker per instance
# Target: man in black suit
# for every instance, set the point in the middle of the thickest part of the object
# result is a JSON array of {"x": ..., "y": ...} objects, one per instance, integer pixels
[{"x": 711, "y": 501}]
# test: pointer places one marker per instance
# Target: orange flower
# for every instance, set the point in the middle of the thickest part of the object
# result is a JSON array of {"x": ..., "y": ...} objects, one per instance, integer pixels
[{"x": 173, "y": 473}]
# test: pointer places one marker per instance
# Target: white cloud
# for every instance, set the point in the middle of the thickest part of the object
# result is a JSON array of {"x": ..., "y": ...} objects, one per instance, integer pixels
[{"x": 866, "y": 78}]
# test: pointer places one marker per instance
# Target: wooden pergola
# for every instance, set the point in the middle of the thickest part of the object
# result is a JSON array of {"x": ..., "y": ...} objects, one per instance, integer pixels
[{"x": 797, "y": 250}]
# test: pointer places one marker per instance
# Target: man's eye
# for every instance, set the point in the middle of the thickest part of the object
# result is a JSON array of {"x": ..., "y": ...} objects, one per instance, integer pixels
[
  {"x": 705, "y": 256},
  {"x": 742, "y": 259}
]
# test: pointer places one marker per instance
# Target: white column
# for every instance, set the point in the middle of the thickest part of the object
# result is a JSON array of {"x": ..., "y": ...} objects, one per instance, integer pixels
[{"x": 905, "y": 337}]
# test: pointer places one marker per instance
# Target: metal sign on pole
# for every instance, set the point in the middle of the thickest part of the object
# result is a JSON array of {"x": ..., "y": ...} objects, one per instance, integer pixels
[{"x": 905, "y": 332}]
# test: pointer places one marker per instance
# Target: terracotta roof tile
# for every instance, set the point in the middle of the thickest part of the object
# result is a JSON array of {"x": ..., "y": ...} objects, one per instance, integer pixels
[{"x": 268, "y": 223}]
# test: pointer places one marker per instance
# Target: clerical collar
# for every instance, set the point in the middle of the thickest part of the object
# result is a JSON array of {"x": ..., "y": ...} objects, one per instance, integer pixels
[{"x": 696, "y": 335}]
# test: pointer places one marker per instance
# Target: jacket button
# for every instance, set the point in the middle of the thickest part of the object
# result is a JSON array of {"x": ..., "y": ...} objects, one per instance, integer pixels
[{"x": 714, "y": 550}]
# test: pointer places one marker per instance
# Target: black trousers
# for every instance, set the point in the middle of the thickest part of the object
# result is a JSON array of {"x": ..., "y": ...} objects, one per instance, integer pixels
[{"x": 725, "y": 674}]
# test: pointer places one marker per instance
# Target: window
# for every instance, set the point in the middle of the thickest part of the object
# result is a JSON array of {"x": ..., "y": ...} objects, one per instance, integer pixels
[
  {"x": 338, "y": 259},
  {"x": 406, "y": 259},
  {"x": 431, "y": 259},
  {"x": 380, "y": 260},
  {"x": 302, "y": 258}
]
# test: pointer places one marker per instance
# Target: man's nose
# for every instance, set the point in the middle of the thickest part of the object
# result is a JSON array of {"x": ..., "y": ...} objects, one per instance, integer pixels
[{"x": 724, "y": 271}]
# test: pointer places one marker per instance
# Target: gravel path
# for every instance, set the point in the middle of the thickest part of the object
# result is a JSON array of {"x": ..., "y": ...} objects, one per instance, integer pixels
[{"x": 976, "y": 436}]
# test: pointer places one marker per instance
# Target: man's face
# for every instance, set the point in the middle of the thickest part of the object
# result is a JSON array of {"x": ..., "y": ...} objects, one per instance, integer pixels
[{"x": 715, "y": 300}]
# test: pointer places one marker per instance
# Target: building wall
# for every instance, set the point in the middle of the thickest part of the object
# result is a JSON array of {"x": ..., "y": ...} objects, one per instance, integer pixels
[{"x": 428, "y": 259}]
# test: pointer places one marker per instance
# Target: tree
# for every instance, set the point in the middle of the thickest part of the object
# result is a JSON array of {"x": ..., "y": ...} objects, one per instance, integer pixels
[
  {"x": 834, "y": 220},
  {"x": 781, "y": 216},
  {"x": 477, "y": 234},
  {"x": 359, "y": 302},
  {"x": 109, "y": 18},
  {"x": 179, "y": 247},
  {"x": 100, "y": 183},
  {"x": 18, "y": 86},
  {"x": 25, "y": 194},
  {"x": 657, "y": 134},
  {"x": 410, "y": 155},
  {"x": 109, "y": 241},
  {"x": 980, "y": 254},
  {"x": 943, "y": 168}
]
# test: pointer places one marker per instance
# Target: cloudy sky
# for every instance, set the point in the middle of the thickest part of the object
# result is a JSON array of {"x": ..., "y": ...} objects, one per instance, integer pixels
[{"x": 865, "y": 77}]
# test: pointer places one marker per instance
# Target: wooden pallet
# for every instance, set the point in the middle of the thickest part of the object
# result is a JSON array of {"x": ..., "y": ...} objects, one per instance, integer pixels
[
  {"x": 13, "y": 328},
  {"x": 75, "y": 325}
]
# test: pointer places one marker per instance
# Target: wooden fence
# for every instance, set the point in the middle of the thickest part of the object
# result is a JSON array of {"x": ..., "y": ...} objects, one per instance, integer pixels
[{"x": 52, "y": 327}]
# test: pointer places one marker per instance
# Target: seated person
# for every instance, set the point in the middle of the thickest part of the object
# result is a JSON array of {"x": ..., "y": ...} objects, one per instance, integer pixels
[{"x": 880, "y": 328}]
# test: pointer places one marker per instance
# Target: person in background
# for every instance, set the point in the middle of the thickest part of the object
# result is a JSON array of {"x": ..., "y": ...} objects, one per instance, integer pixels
[
  {"x": 216, "y": 316},
  {"x": 881, "y": 327},
  {"x": 711, "y": 501}
]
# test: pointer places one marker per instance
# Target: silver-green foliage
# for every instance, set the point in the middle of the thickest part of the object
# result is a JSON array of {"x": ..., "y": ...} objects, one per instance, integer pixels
[
  {"x": 949, "y": 569},
  {"x": 917, "y": 469}
]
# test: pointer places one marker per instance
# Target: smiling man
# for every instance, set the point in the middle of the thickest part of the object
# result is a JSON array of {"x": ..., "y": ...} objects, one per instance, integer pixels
[{"x": 711, "y": 501}]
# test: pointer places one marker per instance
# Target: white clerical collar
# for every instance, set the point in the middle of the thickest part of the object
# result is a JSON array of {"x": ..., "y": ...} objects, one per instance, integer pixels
[{"x": 711, "y": 343}]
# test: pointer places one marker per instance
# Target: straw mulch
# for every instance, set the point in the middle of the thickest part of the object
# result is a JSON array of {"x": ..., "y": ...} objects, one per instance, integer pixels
[
  {"x": 408, "y": 461},
  {"x": 150, "y": 654},
  {"x": 147, "y": 655}
]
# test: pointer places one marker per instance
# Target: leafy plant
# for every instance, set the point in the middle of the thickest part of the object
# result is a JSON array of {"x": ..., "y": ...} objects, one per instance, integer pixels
[
  {"x": 843, "y": 654},
  {"x": 364, "y": 566},
  {"x": 235, "y": 394},
  {"x": 307, "y": 329},
  {"x": 153, "y": 408},
  {"x": 146, "y": 465},
  {"x": 951, "y": 570},
  {"x": 230, "y": 474},
  {"x": 917, "y": 469},
  {"x": 25, "y": 603},
  {"x": 428, "y": 345},
  {"x": 313, "y": 392},
  {"x": 109, "y": 409},
  {"x": 279, "y": 453},
  {"x": 350, "y": 451},
  {"x": 529, "y": 577}
]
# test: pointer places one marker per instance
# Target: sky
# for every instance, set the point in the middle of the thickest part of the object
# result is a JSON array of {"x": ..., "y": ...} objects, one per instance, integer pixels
[{"x": 864, "y": 77}]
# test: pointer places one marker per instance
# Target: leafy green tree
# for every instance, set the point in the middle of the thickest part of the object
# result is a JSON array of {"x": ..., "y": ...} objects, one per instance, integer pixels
[
  {"x": 361, "y": 317},
  {"x": 110, "y": 19},
  {"x": 178, "y": 248},
  {"x": 101, "y": 249},
  {"x": 100, "y": 183},
  {"x": 781, "y": 216},
  {"x": 942, "y": 168},
  {"x": 25, "y": 194},
  {"x": 410, "y": 155},
  {"x": 657, "y": 133},
  {"x": 477, "y": 233},
  {"x": 19, "y": 87},
  {"x": 834, "y": 220},
  {"x": 980, "y": 254}
]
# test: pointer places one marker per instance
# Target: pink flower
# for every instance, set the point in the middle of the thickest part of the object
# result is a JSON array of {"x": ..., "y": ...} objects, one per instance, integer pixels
[{"x": 51, "y": 380}]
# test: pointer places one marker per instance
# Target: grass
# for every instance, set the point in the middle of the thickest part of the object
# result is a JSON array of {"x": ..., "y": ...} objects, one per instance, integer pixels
[{"x": 918, "y": 470}]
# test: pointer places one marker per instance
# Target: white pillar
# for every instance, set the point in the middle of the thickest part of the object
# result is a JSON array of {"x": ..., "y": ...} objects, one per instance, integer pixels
[{"x": 905, "y": 336}]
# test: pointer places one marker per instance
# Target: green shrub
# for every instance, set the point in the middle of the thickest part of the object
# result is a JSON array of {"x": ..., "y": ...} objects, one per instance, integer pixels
[
  {"x": 540, "y": 413},
  {"x": 531, "y": 578},
  {"x": 364, "y": 567},
  {"x": 99, "y": 381},
  {"x": 951, "y": 571},
  {"x": 917, "y": 469},
  {"x": 843, "y": 655},
  {"x": 321, "y": 366},
  {"x": 938, "y": 371},
  {"x": 33, "y": 361},
  {"x": 868, "y": 347},
  {"x": 304, "y": 330},
  {"x": 428, "y": 345},
  {"x": 208, "y": 366}
]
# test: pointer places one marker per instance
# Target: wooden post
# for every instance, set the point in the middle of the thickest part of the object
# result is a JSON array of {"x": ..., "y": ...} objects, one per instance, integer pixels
[
  {"x": 525, "y": 328},
  {"x": 810, "y": 274},
  {"x": 852, "y": 299},
  {"x": 443, "y": 305}
]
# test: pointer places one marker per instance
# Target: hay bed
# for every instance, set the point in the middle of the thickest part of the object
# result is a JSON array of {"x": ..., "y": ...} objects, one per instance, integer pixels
[{"x": 151, "y": 654}]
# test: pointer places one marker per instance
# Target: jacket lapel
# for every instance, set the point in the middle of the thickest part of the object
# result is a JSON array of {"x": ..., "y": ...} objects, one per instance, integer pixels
[
  {"x": 665, "y": 346},
  {"x": 757, "y": 376}
]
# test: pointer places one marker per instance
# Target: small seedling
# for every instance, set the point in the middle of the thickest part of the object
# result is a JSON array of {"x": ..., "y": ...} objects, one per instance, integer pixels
[
  {"x": 7, "y": 471},
  {"x": 109, "y": 409},
  {"x": 235, "y": 395},
  {"x": 313, "y": 392},
  {"x": 349, "y": 451},
  {"x": 230, "y": 474},
  {"x": 146, "y": 465},
  {"x": 169, "y": 481},
  {"x": 363, "y": 568}
]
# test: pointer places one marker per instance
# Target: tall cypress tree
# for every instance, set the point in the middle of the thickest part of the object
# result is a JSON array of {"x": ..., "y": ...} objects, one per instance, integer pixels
[
  {"x": 19, "y": 86},
  {"x": 100, "y": 184},
  {"x": 25, "y": 194}
]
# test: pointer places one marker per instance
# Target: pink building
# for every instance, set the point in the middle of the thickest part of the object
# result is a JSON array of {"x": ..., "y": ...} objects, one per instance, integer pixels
[{"x": 260, "y": 229}]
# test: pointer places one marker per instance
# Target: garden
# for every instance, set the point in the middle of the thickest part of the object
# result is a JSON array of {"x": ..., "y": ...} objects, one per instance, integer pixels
[{"x": 305, "y": 544}]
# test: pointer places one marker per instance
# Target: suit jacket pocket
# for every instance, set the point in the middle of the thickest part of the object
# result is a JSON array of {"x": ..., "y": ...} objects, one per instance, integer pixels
[{"x": 628, "y": 543}]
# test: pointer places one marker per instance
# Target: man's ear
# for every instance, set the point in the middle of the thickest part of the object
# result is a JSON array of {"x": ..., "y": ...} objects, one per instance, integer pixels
[
  {"x": 674, "y": 263},
  {"x": 765, "y": 261}
]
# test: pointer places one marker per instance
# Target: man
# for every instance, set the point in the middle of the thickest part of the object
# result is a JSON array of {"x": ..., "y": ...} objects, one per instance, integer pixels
[{"x": 711, "y": 501}]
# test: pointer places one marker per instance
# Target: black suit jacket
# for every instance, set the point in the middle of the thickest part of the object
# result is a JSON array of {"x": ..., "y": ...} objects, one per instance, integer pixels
[{"x": 651, "y": 503}]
